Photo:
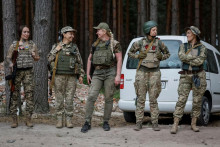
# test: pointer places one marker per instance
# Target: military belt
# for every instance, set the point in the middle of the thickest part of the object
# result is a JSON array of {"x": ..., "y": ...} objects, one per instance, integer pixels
[
  {"x": 97, "y": 67},
  {"x": 187, "y": 72},
  {"x": 24, "y": 68}
]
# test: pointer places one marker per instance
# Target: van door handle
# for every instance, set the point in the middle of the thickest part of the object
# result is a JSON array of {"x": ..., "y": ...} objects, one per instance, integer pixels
[{"x": 128, "y": 79}]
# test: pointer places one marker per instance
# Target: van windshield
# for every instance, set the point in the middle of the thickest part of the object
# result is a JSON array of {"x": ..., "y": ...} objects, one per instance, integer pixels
[{"x": 172, "y": 62}]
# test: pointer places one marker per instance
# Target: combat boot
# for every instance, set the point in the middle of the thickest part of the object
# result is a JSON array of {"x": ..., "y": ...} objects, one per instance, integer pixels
[
  {"x": 69, "y": 122},
  {"x": 138, "y": 126},
  {"x": 193, "y": 125},
  {"x": 86, "y": 127},
  {"x": 28, "y": 121},
  {"x": 155, "y": 127},
  {"x": 174, "y": 128},
  {"x": 14, "y": 122},
  {"x": 59, "y": 122},
  {"x": 106, "y": 126}
]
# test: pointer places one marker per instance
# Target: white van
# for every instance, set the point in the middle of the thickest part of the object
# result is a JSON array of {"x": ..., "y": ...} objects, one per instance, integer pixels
[{"x": 170, "y": 81}]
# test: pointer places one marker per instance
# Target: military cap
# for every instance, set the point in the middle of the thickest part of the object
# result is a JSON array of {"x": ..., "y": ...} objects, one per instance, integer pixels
[
  {"x": 194, "y": 30},
  {"x": 67, "y": 29},
  {"x": 103, "y": 25}
]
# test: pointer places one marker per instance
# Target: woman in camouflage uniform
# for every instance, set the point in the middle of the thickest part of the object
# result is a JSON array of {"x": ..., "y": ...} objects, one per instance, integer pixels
[
  {"x": 148, "y": 76},
  {"x": 27, "y": 54},
  {"x": 69, "y": 67},
  {"x": 192, "y": 54},
  {"x": 106, "y": 57}
]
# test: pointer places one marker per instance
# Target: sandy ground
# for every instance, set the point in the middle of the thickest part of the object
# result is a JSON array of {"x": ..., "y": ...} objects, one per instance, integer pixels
[{"x": 44, "y": 133}]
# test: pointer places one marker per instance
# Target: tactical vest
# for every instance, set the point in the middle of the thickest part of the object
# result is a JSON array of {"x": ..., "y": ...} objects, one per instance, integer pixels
[
  {"x": 103, "y": 54},
  {"x": 67, "y": 61},
  {"x": 25, "y": 59},
  {"x": 195, "y": 52},
  {"x": 151, "y": 60}
]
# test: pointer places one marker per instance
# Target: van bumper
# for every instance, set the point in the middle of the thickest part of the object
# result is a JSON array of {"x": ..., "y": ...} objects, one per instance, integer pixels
[{"x": 164, "y": 107}]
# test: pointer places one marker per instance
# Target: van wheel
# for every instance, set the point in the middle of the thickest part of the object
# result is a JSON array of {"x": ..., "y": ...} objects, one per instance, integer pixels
[
  {"x": 129, "y": 117},
  {"x": 205, "y": 112}
]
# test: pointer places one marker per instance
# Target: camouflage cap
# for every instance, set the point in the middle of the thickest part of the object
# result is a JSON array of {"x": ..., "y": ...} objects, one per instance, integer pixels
[
  {"x": 67, "y": 29},
  {"x": 103, "y": 25},
  {"x": 194, "y": 30}
]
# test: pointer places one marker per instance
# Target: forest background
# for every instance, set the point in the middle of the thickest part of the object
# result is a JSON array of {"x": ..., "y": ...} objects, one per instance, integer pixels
[{"x": 45, "y": 18}]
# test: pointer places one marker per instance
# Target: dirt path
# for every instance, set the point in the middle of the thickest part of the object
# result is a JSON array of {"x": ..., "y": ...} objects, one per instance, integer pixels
[{"x": 44, "y": 133}]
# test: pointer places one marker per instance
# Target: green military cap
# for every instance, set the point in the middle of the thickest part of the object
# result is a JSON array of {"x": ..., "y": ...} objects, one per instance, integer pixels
[
  {"x": 103, "y": 25},
  {"x": 194, "y": 30},
  {"x": 67, "y": 29},
  {"x": 148, "y": 26}
]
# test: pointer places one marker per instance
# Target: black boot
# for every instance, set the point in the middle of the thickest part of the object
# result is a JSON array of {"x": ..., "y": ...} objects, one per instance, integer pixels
[
  {"x": 86, "y": 127},
  {"x": 106, "y": 126}
]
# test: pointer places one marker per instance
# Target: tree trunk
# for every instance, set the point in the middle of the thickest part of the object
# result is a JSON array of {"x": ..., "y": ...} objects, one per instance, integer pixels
[
  {"x": 174, "y": 18},
  {"x": 32, "y": 15},
  {"x": 57, "y": 18},
  {"x": 197, "y": 13},
  {"x": 90, "y": 27},
  {"x": 213, "y": 24},
  {"x": 147, "y": 2},
  {"x": 86, "y": 30},
  {"x": 108, "y": 11},
  {"x": 75, "y": 14},
  {"x": 218, "y": 1},
  {"x": 168, "y": 20},
  {"x": 9, "y": 35},
  {"x": 1, "y": 37},
  {"x": 114, "y": 16},
  {"x": 189, "y": 18},
  {"x": 64, "y": 12},
  {"x": 27, "y": 12},
  {"x": 42, "y": 38},
  {"x": 153, "y": 10},
  {"x": 141, "y": 17},
  {"x": 81, "y": 33},
  {"x": 127, "y": 21},
  {"x": 119, "y": 20},
  {"x": 19, "y": 12},
  {"x": 53, "y": 25}
]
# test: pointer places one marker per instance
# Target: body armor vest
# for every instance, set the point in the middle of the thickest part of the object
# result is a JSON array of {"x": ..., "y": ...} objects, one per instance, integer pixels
[
  {"x": 194, "y": 52},
  {"x": 103, "y": 55},
  {"x": 151, "y": 60},
  {"x": 25, "y": 59},
  {"x": 66, "y": 61}
]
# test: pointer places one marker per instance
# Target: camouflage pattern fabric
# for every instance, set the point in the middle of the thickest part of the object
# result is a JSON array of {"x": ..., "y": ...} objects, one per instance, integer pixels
[
  {"x": 147, "y": 82},
  {"x": 186, "y": 83},
  {"x": 26, "y": 78},
  {"x": 101, "y": 78},
  {"x": 148, "y": 79},
  {"x": 65, "y": 87}
]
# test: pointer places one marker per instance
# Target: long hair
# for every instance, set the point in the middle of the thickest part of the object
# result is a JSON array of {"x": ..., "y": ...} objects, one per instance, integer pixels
[{"x": 20, "y": 29}]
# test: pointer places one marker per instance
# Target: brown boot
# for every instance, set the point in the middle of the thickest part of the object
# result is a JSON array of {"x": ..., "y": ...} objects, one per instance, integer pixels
[
  {"x": 59, "y": 122},
  {"x": 69, "y": 122},
  {"x": 14, "y": 122},
  {"x": 155, "y": 127},
  {"x": 138, "y": 126},
  {"x": 175, "y": 126},
  {"x": 193, "y": 125},
  {"x": 28, "y": 121}
]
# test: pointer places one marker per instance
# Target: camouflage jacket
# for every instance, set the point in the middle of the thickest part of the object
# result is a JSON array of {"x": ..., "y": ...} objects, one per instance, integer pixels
[
  {"x": 140, "y": 44},
  {"x": 192, "y": 59},
  {"x": 52, "y": 56}
]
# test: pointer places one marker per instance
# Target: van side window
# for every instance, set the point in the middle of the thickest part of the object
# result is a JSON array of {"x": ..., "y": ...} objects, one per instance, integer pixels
[
  {"x": 212, "y": 66},
  {"x": 218, "y": 58},
  {"x": 171, "y": 63}
]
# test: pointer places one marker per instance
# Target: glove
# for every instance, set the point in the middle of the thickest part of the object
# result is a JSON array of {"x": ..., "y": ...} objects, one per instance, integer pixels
[
  {"x": 142, "y": 55},
  {"x": 159, "y": 56}
]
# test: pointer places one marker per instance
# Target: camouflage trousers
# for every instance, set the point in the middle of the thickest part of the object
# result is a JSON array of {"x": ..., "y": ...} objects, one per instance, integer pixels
[
  {"x": 185, "y": 85},
  {"x": 65, "y": 87},
  {"x": 147, "y": 82},
  {"x": 26, "y": 78},
  {"x": 106, "y": 78}
]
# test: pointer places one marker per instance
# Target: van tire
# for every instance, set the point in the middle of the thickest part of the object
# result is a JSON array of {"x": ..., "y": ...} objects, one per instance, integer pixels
[
  {"x": 204, "y": 117},
  {"x": 129, "y": 117}
]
